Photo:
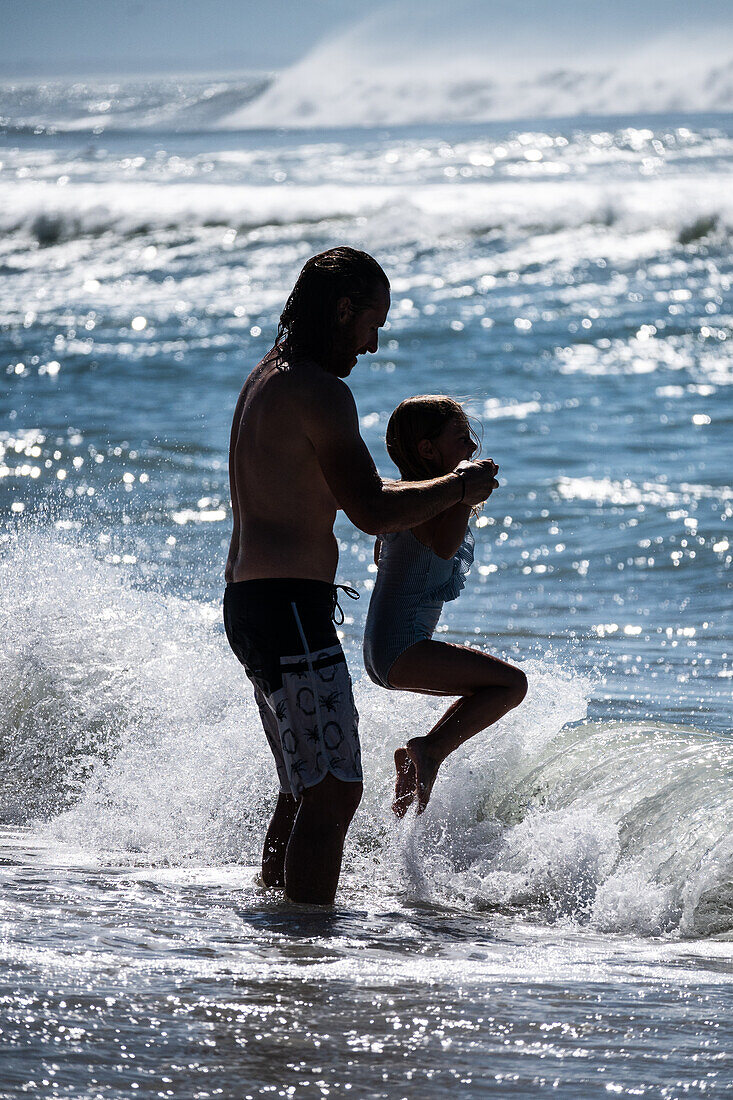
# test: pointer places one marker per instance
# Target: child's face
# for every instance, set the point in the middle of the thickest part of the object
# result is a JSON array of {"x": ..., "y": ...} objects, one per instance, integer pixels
[{"x": 453, "y": 445}]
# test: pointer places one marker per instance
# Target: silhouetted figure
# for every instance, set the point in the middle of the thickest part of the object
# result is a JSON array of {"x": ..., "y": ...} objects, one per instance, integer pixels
[{"x": 296, "y": 457}]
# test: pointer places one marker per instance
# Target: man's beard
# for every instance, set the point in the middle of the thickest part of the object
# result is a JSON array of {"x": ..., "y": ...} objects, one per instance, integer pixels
[
  {"x": 342, "y": 369},
  {"x": 343, "y": 357}
]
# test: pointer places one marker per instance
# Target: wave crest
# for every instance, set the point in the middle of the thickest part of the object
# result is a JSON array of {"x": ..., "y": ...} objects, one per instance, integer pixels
[
  {"x": 129, "y": 727},
  {"x": 478, "y": 61}
]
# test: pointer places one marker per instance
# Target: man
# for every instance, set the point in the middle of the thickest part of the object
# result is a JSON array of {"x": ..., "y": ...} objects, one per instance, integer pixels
[{"x": 296, "y": 457}]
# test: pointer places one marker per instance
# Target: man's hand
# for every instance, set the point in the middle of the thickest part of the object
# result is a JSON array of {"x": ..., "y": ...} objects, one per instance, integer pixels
[
  {"x": 331, "y": 424},
  {"x": 480, "y": 479}
]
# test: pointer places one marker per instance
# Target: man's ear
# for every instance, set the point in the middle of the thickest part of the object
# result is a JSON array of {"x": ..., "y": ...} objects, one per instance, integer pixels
[
  {"x": 426, "y": 449},
  {"x": 343, "y": 310}
]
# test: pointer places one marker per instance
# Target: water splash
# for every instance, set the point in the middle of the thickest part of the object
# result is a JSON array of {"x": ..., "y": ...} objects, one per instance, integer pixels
[
  {"x": 130, "y": 728},
  {"x": 474, "y": 61},
  {"x": 480, "y": 61}
]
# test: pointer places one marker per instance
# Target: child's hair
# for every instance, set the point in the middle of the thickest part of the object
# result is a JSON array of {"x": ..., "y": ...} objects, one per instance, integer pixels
[{"x": 417, "y": 418}]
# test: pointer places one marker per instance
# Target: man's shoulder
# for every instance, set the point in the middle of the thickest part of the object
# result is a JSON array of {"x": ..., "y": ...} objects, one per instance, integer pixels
[
  {"x": 314, "y": 387},
  {"x": 301, "y": 391}
]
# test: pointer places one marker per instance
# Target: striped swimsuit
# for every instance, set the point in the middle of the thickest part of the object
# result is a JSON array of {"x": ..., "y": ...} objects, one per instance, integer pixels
[{"x": 412, "y": 585}]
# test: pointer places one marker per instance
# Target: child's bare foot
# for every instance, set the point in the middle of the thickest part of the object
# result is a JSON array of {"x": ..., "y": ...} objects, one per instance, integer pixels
[
  {"x": 405, "y": 784},
  {"x": 425, "y": 768}
]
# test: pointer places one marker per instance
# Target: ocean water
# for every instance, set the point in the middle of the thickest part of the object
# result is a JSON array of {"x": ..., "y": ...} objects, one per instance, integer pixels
[{"x": 561, "y": 916}]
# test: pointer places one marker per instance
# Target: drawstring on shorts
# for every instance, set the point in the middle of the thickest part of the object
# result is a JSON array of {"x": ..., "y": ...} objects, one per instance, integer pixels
[{"x": 337, "y": 608}]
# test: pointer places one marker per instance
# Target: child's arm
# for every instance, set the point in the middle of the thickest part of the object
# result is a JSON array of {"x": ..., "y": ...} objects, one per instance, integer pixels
[{"x": 445, "y": 533}]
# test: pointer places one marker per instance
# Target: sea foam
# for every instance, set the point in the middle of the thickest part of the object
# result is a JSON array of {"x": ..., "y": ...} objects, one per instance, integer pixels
[
  {"x": 631, "y": 219},
  {"x": 474, "y": 61},
  {"x": 481, "y": 61},
  {"x": 129, "y": 729}
]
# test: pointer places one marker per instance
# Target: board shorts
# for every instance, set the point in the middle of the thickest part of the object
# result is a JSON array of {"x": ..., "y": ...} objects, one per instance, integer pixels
[{"x": 284, "y": 634}]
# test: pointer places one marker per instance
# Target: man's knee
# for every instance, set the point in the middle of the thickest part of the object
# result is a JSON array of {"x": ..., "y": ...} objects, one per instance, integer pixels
[
  {"x": 286, "y": 808},
  {"x": 352, "y": 797},
  {"x": 332, "y": 798}
]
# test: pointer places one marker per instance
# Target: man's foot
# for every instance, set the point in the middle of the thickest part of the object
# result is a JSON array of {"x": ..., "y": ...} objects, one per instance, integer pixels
[
  {"x": 425, "y": 768},
  {"x": 405, "y": 784}
]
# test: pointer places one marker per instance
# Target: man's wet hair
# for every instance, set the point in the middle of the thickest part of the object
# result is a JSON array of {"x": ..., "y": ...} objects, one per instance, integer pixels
[{"x": 307, "y": 323}]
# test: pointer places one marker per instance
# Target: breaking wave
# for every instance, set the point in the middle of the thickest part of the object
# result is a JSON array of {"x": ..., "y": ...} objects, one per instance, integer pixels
[
  {"x": 374, "y": 75},
  {"x": 128, "y": 727},
  {"x": 635, "y": 212},
  {"x": 474, "y": 61}
]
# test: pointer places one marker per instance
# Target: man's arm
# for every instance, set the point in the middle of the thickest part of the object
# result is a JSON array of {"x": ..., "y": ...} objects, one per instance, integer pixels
[
  {"x": 234, "y": 543},
  {"x": 374, "y": 505}
]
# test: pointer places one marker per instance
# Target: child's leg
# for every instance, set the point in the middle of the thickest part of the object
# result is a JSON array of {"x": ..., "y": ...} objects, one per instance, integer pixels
[{"x": 488, "y": 688}]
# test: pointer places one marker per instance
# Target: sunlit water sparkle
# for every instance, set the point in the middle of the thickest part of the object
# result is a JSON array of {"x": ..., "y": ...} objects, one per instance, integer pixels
[{"x": 560, "y": 918}]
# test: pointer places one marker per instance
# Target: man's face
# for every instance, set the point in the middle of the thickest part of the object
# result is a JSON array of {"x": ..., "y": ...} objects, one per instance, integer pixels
[{"x": 357, "y": 332}]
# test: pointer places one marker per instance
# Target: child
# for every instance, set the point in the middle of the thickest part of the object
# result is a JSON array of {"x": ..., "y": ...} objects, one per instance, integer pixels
[{"x": 418, "y": 570}]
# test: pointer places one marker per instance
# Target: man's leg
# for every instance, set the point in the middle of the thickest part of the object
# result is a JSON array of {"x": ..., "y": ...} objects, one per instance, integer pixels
[
  {"x": 276, "y": 840},
  {"x": 313, "y": 857},
  {"x": 319, "y": 737},
  {"x": 281, "y": 823}
]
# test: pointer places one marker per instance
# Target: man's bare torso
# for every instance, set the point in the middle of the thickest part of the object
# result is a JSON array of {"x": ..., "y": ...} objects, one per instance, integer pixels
[{"x": 283, "y": 509}]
